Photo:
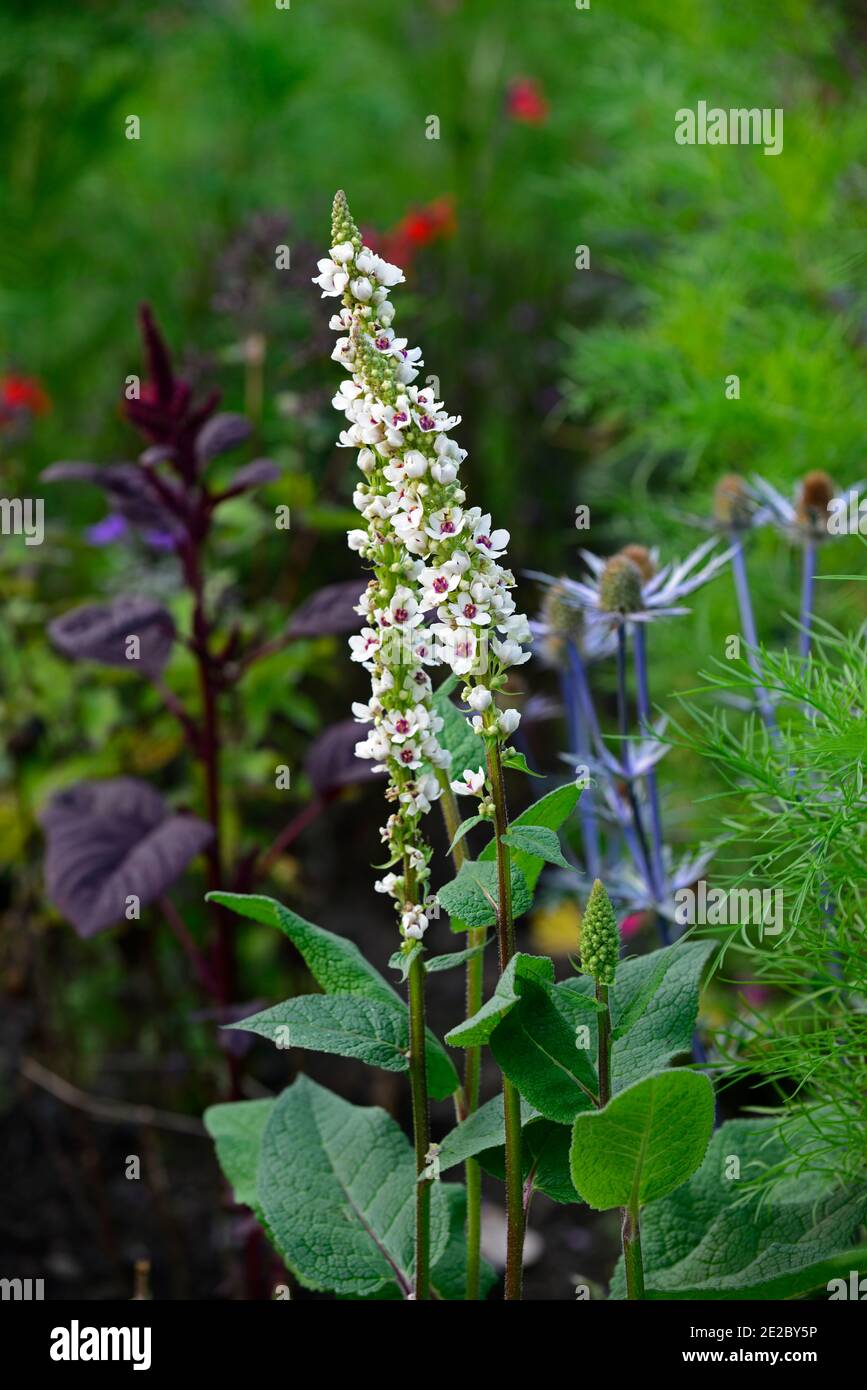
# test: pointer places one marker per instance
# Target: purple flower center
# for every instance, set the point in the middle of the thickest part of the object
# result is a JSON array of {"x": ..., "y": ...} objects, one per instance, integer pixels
[
  {"x": 427, "y": 422},
  {"x": 382, "y": 344},
  {"x": 400, "y": 615},
  {"x": 447, "y": 528},
  {"x": 401, "y": 726},
  {"x": 469, "y": 610},
  {"x": 485, "y": 541},
  {"x": 441, "y": 585},
  {"x": 406, "y": 755}
]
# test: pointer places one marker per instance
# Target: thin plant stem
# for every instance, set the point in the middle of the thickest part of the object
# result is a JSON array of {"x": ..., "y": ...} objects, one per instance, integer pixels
[
  {"x": 511, "y": 1099},
  {"x": 631, "y": 1236},
  {"x": 648, "y": 868},
  {"x": 420, "y": 1108},
  {"x": 808, "y": 588},
  {"x": 473, "y": 1059},
  {"x": 604, "y": 1055},
  {"x": 639, "y": 651},
  {"x": 580, "y": 735},
  {"x": 630, "y": 1230},
  {"x": 748, "y": 623}
]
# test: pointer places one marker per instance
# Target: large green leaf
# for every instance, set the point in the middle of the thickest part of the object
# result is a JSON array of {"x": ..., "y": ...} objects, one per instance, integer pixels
[
  {"x": 338, "y": 967},
  {"x": 480, "y": 1131},
  {"x": 536, "y": 1046},
  {"x": 337, "y": 1186},
  {"x": 236, "y": 1129},
  {"x": 336, "y": 964},
  {"x": 550, "y": 812},
  {"x": 340, "y": 1023},
  {"x": 478, "y": 1029},
  {"x": 471, "y": 897},
  {"x": 646, "y": 1142},
  {"x": 706, "y": 1242},
  {"x": 654, "y": 1003}
]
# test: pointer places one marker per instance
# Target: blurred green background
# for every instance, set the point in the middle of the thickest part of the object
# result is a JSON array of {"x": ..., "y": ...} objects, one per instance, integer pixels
[{"x": 603, "y": 385}]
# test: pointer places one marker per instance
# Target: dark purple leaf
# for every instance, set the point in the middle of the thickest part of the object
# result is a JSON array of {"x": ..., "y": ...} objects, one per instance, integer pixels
[
  {"x": 329, "y": 610},
  {"x": 221, "y": 434},
  {"x": 251, "y": 476},
  {"x": 126, "y": 487},
  {"x": 99, "y": 632},
  {"x": 110, "y": 841},
  {"x": 331, "y": 762},
  {"x": 159, "y": 359}
]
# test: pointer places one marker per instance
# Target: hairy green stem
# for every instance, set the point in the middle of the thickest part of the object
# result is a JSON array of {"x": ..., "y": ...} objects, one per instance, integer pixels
[
  {"x": 604, "y": 1058},
  {"x": 511, "y": 1099},
  {"x": 634, "y": 1266},
  {"x": 473, "y": 1058},
  {"x": 420, "y": 1125},
  {"x": 629, "y": 1230}
]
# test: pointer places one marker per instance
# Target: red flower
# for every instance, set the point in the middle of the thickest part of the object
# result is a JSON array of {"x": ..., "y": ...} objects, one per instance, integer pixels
[
  {"x": 435, "y": 221},
  {"x": 525, "y": 101},
  {"x": 22, "y": 393}
]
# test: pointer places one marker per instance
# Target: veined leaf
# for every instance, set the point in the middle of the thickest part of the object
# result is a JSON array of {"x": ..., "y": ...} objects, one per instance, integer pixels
[
  {"x": 236, "y": 1129},
  {"x": 540, "y": 1050},
  {"x": 337, "y": 1186},
  {"x": 646, "y": 1142},
  {"x": 536, "y": 841},
  {"x": 705, "y": 1242},
  {"x": 550, "y": 812},
  {"x": 478, "y": 1029},
  {"x": 544, "y": 1160},
  {"x": 338, "y": 967},
  {"x": 481, "y": 1131},
  {"x": 464, "y": 827},
  {"x": 471, "y": 897},
  {"x": 654, "y": 1003}
]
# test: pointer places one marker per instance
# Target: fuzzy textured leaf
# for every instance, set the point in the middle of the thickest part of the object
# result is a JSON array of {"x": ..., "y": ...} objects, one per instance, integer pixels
[
  {"x": 478, "y": 1029},
  {"x": 337, "y": 1184},
  {"x": 236, "y": 1129},
  {"x": 705, "y": 1242},
  {"x": 535, "y": 1045},
  {"x": 338, "y": 967},
  {"x": 550, "y": 812},
  {"x": 471, "y": 897},
  {"x": 341, "y": 1024},
  {"x": 646, "y": 1142}
]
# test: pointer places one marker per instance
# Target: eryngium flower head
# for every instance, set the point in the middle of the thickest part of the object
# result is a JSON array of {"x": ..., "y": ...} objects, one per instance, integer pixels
[
  {"x": 620, "y": 586},
  {"x": 805, "y": 518},
  {"x": 733, "y": 505},
  {"x": 815, "y": 495},
  {"x": 600, "y": 937}
]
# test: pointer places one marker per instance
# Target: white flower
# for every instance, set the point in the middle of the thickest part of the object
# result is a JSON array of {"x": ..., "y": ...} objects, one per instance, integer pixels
[
  {"x": 364, "y": 645},
  {"x": 490, "y": 543},
  {"x": 508, "y": 721},
  {"x": 509, "y": 653},
  {"x": 414, "y": 922},
  {"x": 331, "y": 278},
  {"x": 479, "y": 698},
  {"x": 375, "y": 746},
  {"x": 387, "y": 884},
  {"x": 357, "y": 539},
  {"x": 361, "y": 288},
  {"x": 445, "y": 524},
  {"x": 403, "y": 611},
  {"x": 469, "y": 783}
]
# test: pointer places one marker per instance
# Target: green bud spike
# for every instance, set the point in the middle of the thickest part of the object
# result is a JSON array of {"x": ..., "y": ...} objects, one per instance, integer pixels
[
  {"x": 600, "y": 936},
  {"x": 342, "y": 226}
]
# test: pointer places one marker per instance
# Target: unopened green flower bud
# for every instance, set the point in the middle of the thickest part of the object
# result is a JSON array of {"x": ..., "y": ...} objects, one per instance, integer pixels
[
  {"x": 600, "y": 936},
  {"x": 342, "y": 226},
  {"x": 620, "y": 586}
]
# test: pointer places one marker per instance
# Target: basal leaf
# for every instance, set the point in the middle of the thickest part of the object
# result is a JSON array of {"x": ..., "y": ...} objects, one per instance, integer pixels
[
  {"x": 646, "y": 1142},
  {"x": 478, "y": 1029},
  {"x": 706, "y": 1242},
  {"x": 237, "y": 1130},
  {"x": 337, "y": 1184}
]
